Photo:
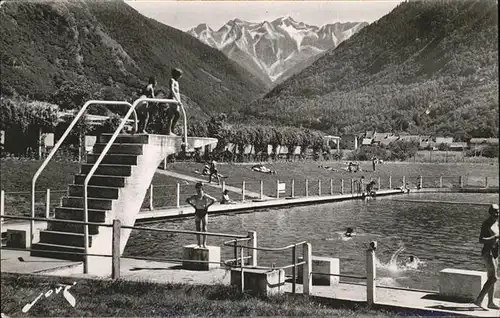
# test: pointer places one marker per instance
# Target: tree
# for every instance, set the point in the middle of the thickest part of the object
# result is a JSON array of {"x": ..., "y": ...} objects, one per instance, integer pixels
[{"x": 73, "y": 94}]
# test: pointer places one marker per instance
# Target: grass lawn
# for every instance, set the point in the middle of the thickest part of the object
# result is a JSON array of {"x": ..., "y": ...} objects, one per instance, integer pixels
[
  {"x": 139, "y": 299},
  {"x": 16, "y": 176}
]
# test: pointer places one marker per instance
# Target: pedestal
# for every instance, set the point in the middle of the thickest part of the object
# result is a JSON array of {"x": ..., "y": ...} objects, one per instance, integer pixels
[
  {"x": 326, "y": 265},
  {"x": 17, "y": 238},
  {"x": 193, "y": 252},
  {"x": 260, "y": 281},
  {"x": 461, "y": 284}
]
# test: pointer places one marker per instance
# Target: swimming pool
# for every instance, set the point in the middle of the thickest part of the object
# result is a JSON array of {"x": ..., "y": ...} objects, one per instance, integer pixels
[{"x": 440, "y": 229}]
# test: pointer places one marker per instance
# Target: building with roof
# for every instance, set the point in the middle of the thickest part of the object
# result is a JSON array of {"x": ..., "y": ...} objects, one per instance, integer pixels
[{"x": 350, "y": 141}]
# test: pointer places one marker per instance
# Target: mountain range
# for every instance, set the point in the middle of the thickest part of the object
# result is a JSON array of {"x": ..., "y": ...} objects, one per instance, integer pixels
[
  {"x": 273, "y": 51},
  {"x": 114, "y": 48},
  {"x": 427, "y": 67}
]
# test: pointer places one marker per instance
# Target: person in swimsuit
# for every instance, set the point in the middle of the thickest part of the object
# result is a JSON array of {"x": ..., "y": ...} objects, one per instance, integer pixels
[
  {"x": 213, "y": 172},
  {"x": 173, "y": 109},
  {"x": 489, "y": 236},
  {"x": 200, "y": 202},
  {"x": 144, "y": 109}
]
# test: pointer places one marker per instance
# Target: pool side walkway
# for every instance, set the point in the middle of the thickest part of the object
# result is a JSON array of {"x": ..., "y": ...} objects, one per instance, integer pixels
[
  {"x": 252, "y": 205},
  {"x": 402, "y": 301}
]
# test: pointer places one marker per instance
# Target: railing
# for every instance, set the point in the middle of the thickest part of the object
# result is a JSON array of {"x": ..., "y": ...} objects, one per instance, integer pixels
[
  {"x": 101, "y": 157},
  {"x": 174, "y": 195},
  {"x": 115, "y": 242},
  {"x": 59, "y": 143},
  {"x": 307, "y": 260}
]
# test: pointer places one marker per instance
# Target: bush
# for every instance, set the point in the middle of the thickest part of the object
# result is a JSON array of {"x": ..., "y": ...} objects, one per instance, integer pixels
[{"x": 491, "y": 151}]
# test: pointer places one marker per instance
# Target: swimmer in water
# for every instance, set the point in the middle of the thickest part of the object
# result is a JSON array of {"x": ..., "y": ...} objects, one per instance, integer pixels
[{"x": 349, "y": 232}]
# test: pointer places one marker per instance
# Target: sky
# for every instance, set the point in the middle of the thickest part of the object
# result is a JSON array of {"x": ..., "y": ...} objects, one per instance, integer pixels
[{"x": 186, "y": 14}]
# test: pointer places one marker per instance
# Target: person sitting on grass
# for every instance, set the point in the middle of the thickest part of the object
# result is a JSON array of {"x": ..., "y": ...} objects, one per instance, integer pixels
[{"x": 226, "y": 199}]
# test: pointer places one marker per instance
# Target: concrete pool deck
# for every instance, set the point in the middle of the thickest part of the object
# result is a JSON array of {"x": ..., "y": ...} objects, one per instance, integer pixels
[{"x": 395, "y": 300}]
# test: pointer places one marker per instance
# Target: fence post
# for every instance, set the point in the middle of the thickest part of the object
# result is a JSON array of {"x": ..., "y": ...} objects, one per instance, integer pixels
[
  {"x": 440, "y": 181},
  {"x": 178, "y": 195},
  {"x": 404, "y": 181},
  {"x": 2, "y": 204},
  {"x": 319, "y": 187},
  {"x": 294, "y": 268},
  {"x": 390, "y": 182},
  {"x": 261, "y": 189},
  {"x": 485, "y": 182},
  {"x": 293, "y": 188},
  {"x": 352, "y": 185},
  {"x": 461, "y": 181},
  {"x": 151, "y": 207},
  {"x": 371, "y": 274},
  {"x": 307, "y": 269},
  {"x": 253, "y": 243},
  {"x": 307, "y": 188},
  {"x": 378, "y": 183},
  {"x": 241, "y": 267},
  {"x": 277, "y": 189},
  {"x": 421, "y": 181},
  {"x": 47, "y": 204},
  {"x": 115, "y": 252},
  {"x": 223, "y": 186},
  {"x": 243, "y": 191},
  {"x": 331, "y": 186},
  {"x": 341, "y": 186}
]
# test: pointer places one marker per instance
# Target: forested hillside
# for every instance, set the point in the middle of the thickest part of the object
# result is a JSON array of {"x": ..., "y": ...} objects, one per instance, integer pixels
[
  {"x": 109, "y": 49},
  {"x": 426, "y": 67}
]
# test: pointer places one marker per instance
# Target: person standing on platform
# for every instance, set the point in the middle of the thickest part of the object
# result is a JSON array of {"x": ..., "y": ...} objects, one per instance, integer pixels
[
  {"x": 173, "y": 110},
  {"x": 144, "y": 109},
  {"x": 201, "y": 202},
  {"x": 489, "y": 236}
]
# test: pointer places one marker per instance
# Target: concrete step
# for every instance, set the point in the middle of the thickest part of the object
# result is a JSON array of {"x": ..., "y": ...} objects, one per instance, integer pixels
[
  {"x": 93, "y": 203},
  {"x": 68, "y": 255},
  {"x": 68, "y": 238},
  {"x": 101, "y": 180},
  {"x": 128, "y": 149},
  {"x": 94, "y": 191},
  {"x": 71, "y": 227},
  {"x": 76, "y": 214},
  {"x": 114, "y": 159},
  {"x": 108, "y": 169},
  {"x": 124, "y": 139}
]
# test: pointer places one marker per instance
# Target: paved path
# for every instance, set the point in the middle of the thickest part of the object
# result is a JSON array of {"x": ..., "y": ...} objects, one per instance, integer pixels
[
  {"x": 193, "y": 179},
  {"x": 163, "y": 273}
]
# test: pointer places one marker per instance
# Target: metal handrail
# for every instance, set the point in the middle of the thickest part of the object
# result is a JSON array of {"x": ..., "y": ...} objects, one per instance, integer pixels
[
  {"x": 181, "y": 231},
  {"x": 11, "y": 217},
  {"x": 98, "y": 162},
  {"x": 272, "y": 249},
  {"x": 59, "y": 143}
]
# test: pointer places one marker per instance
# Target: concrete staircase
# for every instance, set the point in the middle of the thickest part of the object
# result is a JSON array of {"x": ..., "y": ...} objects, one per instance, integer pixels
[{"x": 115, "y": 191}]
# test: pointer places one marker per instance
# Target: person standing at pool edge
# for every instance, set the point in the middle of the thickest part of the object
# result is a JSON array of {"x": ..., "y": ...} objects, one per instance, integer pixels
[
  {"x": 200, "y": 202},
  {"x": 489, "y": 236}
]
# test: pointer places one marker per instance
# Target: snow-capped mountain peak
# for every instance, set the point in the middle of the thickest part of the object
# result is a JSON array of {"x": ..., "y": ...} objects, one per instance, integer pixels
[{"x": 270, "y": 50}]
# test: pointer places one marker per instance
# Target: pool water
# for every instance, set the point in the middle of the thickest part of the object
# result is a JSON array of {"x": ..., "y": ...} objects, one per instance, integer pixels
[{"x": 439, "y": 235}]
